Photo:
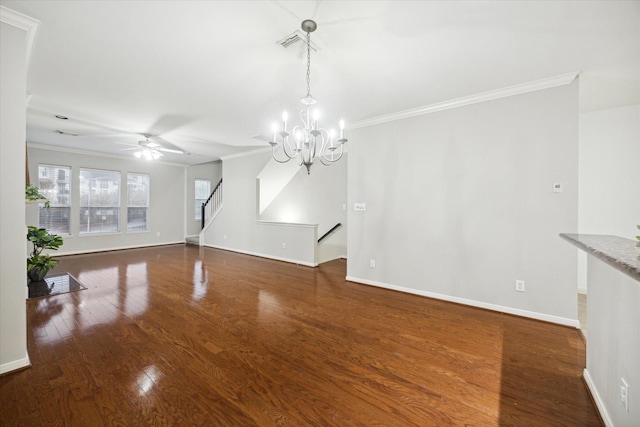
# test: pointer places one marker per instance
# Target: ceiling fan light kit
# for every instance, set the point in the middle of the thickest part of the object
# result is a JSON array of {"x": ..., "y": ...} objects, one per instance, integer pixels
[
  {"x": 308, "y": 141},
  {"x": 148, "y": 154},
  {"x": 152, "y": 150},
  {"x": 149, "y": 150}
]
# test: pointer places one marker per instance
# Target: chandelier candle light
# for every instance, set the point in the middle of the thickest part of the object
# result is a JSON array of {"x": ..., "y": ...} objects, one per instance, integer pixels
[{"x": 309, "y": 141}]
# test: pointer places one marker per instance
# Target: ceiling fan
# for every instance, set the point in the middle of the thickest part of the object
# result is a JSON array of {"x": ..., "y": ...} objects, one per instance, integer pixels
[{"x": 151, "y": 150}]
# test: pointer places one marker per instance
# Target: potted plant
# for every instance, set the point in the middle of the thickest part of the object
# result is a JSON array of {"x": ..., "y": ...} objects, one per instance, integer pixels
[
  {"x": 38, "y": 264},
  {"x": 32, "y": 193}
]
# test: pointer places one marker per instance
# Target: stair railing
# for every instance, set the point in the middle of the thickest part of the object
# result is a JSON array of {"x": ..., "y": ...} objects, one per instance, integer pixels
[
  {"x": 334, "y": 228},
  {"x": 212, "y": 204}
]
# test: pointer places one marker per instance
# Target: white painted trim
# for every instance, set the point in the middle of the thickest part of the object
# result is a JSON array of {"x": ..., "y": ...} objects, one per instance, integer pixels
[
  {"x": 24, "y": 22},
  {"x": 119, "y": 248},
  {"x": 96, "y": 153},
  {"x": 286, "y": 224},
  {"x": 494, "y": 307},
  {"x": 289, "y": 260},
  {"x": 597, "y": 399},
  {"x": 208, "y": 224},
  {"x": 16, "y": 364},
  {"x": 582, "y": 291},
  {"x": 245, "y": 153},
  {"x": 562, "y": 79}
]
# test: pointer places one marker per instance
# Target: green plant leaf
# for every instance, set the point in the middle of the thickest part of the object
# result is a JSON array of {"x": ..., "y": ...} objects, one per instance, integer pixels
[
  {"x": 42, "y": 239},
  {"x": 31, "y": 192}
]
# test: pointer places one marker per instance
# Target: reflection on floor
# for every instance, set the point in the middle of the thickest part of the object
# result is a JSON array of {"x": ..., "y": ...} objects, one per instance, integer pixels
[
  {"x": 55, "y": 284},
  {"x": 582, "y": 313},
  {"x": 197, "y": 336}
]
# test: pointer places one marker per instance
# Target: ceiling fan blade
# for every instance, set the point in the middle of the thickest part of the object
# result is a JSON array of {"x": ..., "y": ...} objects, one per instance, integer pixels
[
  {"x": 168, "y": 147},
  {"x": 170, "y": 150}
]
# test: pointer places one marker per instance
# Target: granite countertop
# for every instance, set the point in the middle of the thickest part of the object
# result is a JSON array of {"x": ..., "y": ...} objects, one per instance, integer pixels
[{"x": 620, "y": 253}]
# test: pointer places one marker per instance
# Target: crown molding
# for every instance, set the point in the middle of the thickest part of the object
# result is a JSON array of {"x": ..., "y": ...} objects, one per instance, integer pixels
[
  {"x": 560, "y": 80},
  {"x": 24, "y": 22}
]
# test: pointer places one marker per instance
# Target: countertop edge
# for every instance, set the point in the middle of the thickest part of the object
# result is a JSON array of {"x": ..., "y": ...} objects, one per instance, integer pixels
[{"x": 616, "y": 257}]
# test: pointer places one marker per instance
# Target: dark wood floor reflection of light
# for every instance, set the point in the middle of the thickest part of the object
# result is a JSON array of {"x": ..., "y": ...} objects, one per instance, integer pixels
[{"x": 187, "y": 336}]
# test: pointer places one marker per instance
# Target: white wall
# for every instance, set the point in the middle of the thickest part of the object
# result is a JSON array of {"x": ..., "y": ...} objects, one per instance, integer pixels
[
  {"x": 316, "y": 198},
  {"x": 272, "y": 179},
  {"x": 211, "y": 171},
  {"x": 167, "y": 199},
  {"x": 609, "y": 176},
  {"x": 236, "y": 227},
  {"x": 460, "y": 204},
  {"x": 613, "y": 348},
  {"x": 13, "y": 246}
]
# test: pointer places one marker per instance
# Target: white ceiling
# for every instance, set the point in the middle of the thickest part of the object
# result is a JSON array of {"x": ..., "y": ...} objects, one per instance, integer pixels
[{"x": 208, "y": 76}]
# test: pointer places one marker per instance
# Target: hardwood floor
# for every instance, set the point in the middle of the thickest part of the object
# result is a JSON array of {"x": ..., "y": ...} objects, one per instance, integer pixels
[{"x": 181, "y": 335}]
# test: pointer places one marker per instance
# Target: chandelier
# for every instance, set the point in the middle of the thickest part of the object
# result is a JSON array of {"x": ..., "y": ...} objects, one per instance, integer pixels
[{"x": 307, "y": 141}]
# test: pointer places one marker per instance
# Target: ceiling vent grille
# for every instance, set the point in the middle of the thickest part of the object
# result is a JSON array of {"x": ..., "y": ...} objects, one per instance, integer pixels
[{"x": 294, "y": 38}]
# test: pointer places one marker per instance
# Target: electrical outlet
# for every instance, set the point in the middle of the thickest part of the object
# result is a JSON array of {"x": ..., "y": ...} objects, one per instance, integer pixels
[
  {"x": 372, "y": 263},
  {"x": 284, "y": 245},
  {"x": 520, "y": 285},
  {"x": 158, "y": 234},
  {"x": 624, "y": 394}
]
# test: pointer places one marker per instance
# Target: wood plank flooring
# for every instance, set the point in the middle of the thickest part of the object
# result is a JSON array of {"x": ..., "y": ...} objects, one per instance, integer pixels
[{"x": 186, "y": 336}]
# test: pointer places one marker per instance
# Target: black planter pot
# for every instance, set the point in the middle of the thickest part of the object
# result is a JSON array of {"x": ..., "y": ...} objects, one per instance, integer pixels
[
  {"x": 39, "y": 289},
  {"x": 36, "y": 274}
]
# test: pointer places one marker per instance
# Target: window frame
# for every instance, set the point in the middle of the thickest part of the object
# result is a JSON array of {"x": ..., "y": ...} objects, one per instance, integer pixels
[
  {"x": 132, "y": 206},
  {"x": 54, "y": 198},
  {"x": 198, "y": 206},
  {"x": 83, "y": 208}
]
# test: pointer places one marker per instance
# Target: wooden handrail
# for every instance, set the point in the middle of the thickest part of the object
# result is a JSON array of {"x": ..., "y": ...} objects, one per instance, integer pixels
[{"x": 334, "y": 228}]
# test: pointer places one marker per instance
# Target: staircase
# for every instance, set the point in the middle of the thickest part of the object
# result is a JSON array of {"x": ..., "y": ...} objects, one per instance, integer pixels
[
  {"x": 210, "y": 209},
  {"x": 212, "y": 205}
]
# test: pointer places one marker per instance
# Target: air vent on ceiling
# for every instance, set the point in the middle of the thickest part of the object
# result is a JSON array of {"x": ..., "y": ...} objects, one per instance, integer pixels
[
  {"x": 294, "y": 38},
  {"x": 61, "y": 132}
]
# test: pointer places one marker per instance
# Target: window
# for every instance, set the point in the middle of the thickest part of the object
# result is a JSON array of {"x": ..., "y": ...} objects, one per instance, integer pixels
[
  {"x": 55, "y": 184},
  {"x": 137, "y": 201},
  {"x": 99, "y": 201},
  {"x": 203, "y": 190}
]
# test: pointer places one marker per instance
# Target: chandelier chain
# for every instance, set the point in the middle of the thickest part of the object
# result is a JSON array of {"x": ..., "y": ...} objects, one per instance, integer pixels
[{"x": 308, "y": 64}]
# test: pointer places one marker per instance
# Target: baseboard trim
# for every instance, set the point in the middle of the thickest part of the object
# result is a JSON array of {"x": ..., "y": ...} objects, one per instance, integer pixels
[
  {"x": 289, "y": 260},
  {"x": 119, "y": 248},
  {"x": 604, "y": 415},
  {"x": 15, "y": 365},
  {"x": 494, "y": 307}
]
